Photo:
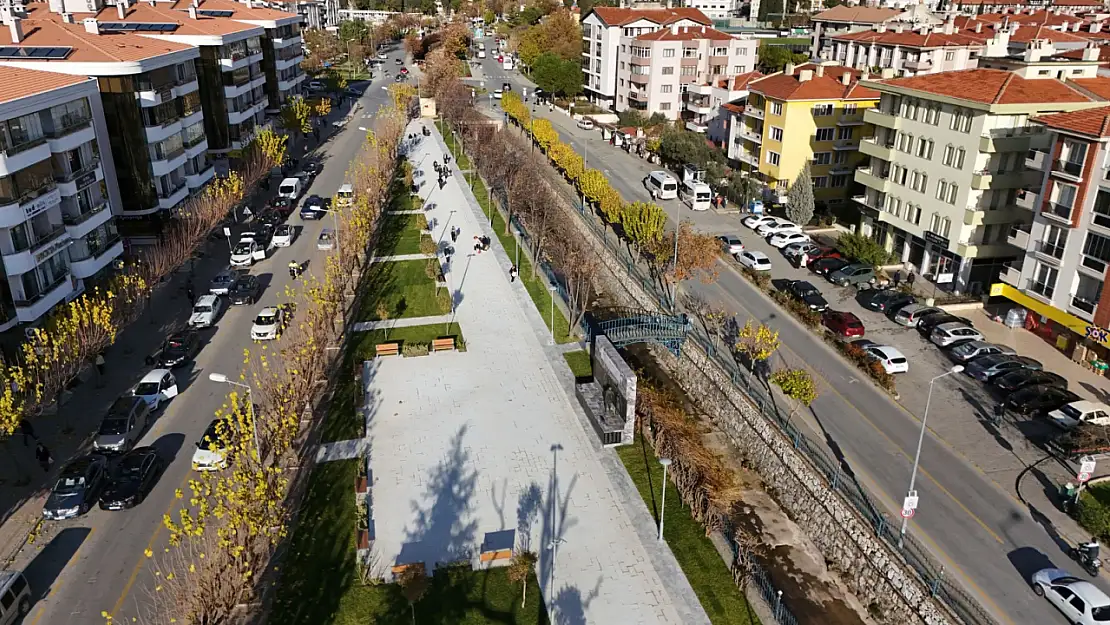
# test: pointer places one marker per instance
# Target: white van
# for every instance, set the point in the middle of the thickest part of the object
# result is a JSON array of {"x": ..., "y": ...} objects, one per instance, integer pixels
[
  {"x": 345, "y": 196},
  {"x": 15, "y": 597},
  {"x": 661, "y": 185},
  {"x": 481, "y": 54},
  {"x": 290, "y": 188},
  {"x": 508, "y": 64},
  {"x": 697, "y": 195}
]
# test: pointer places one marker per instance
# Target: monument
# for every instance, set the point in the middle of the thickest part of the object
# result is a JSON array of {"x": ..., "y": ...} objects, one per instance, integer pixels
[{"x": 610, "y": 397}]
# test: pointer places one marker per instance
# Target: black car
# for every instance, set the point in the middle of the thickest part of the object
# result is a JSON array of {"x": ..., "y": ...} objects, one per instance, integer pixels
[
  {"x": 135, "y": 475},
  {"x": 807, "y": 294},
  {"x": 271, "y": 218},
  {"x": 825, "y": 266},
  {"x": 1039, "y": 399},
  {"x": 178, "y": 349},
  {"x": 886, "y": 302},
  {"x": 898, "y": 302},
  {"x": 928, "y": 322},
  {"x": 1016, "y": 380},
  {"x": 245, "y": 290},
  {"x": 77, "y": 489},
  {"x": 282, "y": 206},
  {"x": 264, "y": 235},
  {"x": 312, "y": 168}
]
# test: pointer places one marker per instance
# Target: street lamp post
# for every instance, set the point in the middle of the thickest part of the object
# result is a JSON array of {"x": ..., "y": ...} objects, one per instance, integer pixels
[
  {"x": 674, "y": 262},
  {"x": 920, "y": 439},
  {"x": 553, "y": 289},
  {"x": 666, "y": 462},
  {"x": 223, "y": 379}
]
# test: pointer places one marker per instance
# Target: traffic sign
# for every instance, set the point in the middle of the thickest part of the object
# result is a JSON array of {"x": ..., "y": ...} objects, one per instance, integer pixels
[
  {"x": 1086, "y": 464},
  {"x": 1083, "y": 476},
  {"x": 907, "y": 514},
  {"x": 910, "y": 502}
]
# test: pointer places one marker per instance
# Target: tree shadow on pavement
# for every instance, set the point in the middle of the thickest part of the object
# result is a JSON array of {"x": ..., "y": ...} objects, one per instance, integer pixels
[{"x": 53, "y": 559}]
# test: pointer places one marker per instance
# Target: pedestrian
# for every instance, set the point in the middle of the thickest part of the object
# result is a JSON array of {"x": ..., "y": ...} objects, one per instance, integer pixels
[
  {"x": 454, "y": 235},
  {"x": 803, "y": 260},
  {"x": 512, "y": 274},
  {"x": 897, "y": 278},
  {"x": 191, "y": 294},
  {"x": 999, "y": 412},
  {"x": 909, "y": 280},
  {"x": 42, "y": 454},
  {"x": 100, "y": 364},
  {"x": 28, "y": 431},
  {"x": 447, "y": 256}
]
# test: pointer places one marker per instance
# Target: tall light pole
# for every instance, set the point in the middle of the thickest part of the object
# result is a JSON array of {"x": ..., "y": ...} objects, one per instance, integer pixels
[
  {"x": 674, "y": 262},
  {"x": 552, "y": 288},
  {"x": 223, "y": 379},
  {"x": 556, "y": 540},
  {"x": 666, "y": 462},
  {"x": 920, "y": 439}
]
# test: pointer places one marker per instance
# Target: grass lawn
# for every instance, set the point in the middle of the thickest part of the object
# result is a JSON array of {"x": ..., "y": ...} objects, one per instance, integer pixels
[
  {"x": 401, "y": 234},
  {"x": 701, "y": 563},
  {"x": 580, "y": 364},
  {"x": 363, "y": 343},
  {"x": 404, "y": 289},
  {"x": 456, "y": 148}
]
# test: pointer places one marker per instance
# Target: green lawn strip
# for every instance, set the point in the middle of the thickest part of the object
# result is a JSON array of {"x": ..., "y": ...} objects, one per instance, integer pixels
[
  {"x": 404, "y": 289},
  {"x": 454, "y": 146},
  {"x": 703, "y": 566},
  {"x": 579, "y": 362},
  {"x": 406, "y": 233},
  {"x": 364, "y": 342}
]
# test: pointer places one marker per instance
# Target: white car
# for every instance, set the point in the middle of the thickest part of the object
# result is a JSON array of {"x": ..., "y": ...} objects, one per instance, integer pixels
[
  {"x": 948, "y": 333},
  {"x": 586, "y": 124},
  {"x": 1081, "y": 601},
  {"x": 382, "y": 56},
  {"x": 731, "y": 244},
  {"x": 497, "y": 95},
  {"x": 778, "y": 227},
  {"x": 892, "y": 360},
  {"x": 246, "y": 253},
  {"x": 155, "y": 387},
  {"x": 205, "y": 311},
  {"x": 783, "y": 239},
  {"x": 315, "y": 85},
  {"x": 756, "y": 221},
  {"x": 1071, "y": 415},
  {"x": 212, "y": 448},
  {"x": 283, "y": 236},
  {"x": 268, "y": 324},
  {"x": 756, "y": 261}
]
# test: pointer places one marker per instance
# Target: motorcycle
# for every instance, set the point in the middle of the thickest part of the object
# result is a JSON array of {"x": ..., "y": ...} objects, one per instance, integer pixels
[{"x": 1090, "y": 563}]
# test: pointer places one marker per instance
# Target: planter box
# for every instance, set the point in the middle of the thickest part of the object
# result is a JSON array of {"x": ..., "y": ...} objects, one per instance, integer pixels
[
  {"x": 360, "y": 484},
  {"x": 363, "y": 539}
]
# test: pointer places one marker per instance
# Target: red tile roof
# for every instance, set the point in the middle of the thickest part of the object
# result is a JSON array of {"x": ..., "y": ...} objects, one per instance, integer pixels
[
  {"x": 856, "y": 14},
  {"x": 1098, "y": 86},
  {"x": 828, "y": 87},
  {"x": 991, "y": 86},
  {"x": 1090, "y": 122},
  {"x": 686, "y": 33},
  {"x": 742, "y": 81},
  {"x": 21, "y": 83},
  {"x": 734, "y": 108},
  {"x": 1025, "y": 34},
  {"x": 1077, "y": 54},
  {"x": 615, "y": 16},
  {"x": 910, "y": 39}
]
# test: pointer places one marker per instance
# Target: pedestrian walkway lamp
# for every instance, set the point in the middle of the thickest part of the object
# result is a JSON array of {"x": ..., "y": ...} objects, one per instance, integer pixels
[
  {"x": 223, "y": 379},
  {"x": 917, "y": 455},
  {"x": 552, "y": 288},
  {"x": 666, "y": 462}
]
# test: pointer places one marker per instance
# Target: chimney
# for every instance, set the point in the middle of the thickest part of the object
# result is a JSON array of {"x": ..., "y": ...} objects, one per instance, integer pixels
[
  {"x": 1091, "y": 52},
  {"x": 68, "y": 18},
  {"x": 703, "y": 30},
  {"x": 16, "y": 26},
  {"x": 1064, "y": 26},
  {"x": 950, "y": 25},
  {"x": 881, "y": 28},
  {"x": 805, "y": 75},
  {"x": 674, "y": 29},
  {"x": 846, "y": 78},
  {"x": 91, "y": 25},
  {"x": 192, "y": 13},
  {"x": 900, "y": 28},
  {"x": 789, "y": 69},
  {"x": 121, "y": 10},
  {"x": 1096, "y": 27},
  {"x": 820, "y": 71},
  {"x": 978, "y": 27}
]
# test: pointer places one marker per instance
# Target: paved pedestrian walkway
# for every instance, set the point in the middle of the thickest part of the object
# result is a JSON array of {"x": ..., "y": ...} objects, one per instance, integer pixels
[
  {"x": 343, "y": 450},
  {"x": 417, "y": 212},
  {"x": 407, "y": 322},
  {"x": 401, "y": 257},
  {"x": 489, "y": 440}
]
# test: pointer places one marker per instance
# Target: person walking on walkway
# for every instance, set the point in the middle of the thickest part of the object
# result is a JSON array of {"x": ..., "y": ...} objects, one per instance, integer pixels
[
  {"x": 99, "y": 362},
  {"x": 454, "y": 234},
  {"x": 42, "y": 454},
  {"x": 897, "y": 278},
  {"x": 909, "y": 280},
  {"x": 28, "y": 431},
  {"x": 512, "y": 274},
  {"x": 191, "y": 294}
]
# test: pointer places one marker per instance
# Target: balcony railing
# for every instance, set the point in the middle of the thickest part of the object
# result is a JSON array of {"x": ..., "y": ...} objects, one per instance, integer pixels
[
  {"x": 96, "y": 251},
  {"x": 25, "y": 303},
  {"x": 1059, "y": 210},
  {"x": 69, "y": 124},
  {"x": 23, "y": 147},
  {"x": 74, "y": 175},
  {"x": 1092, "y": 263},
  {"x": 1067, "y": 167},
  {"x": 1055, "y": 250},
  {"x": 169, "y": 156},
  {"x": 195, "y": 140},
  {"x": 1042, "y": 288},
  {"x": 41, "y": 241},
  {"x": 30, "y": 194},
  {"x": 1084, "y": 304},
  {"x": 174, "y": 190},
  {"x": 74, "y": 220}
]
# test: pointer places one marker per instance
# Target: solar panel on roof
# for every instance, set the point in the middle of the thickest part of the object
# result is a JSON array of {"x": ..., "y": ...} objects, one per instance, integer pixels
[
  {"x": 215, "y": 13},
  {"x": 155, "y": 27},
  {"x": 33, "y": 52}
]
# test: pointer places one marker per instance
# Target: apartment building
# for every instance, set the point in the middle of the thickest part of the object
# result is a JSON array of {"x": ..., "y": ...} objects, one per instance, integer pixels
[
  {"x": 849, "y": 19},
  {"x": 655, "y": 69},
  {"x": 947, "y": 174},
  {"x": 709, "y": 108},
  {"x": 312, "y": 12},
  {"x": 811, "y": 113},
  {"x": 717, "y": 9},
  {"x": 57, "y": 190},
  {"x": 906, "y": 52},
  {"x": 602, "y": 31}
]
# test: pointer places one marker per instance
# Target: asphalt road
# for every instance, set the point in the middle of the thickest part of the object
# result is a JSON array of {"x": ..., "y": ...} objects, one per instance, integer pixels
[
  {"x": 973, "y": 522},
  {"x": 96, "y": 562}
]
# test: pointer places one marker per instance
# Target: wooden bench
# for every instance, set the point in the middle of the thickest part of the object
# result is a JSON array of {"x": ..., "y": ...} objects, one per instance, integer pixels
[
  {"x": 443, "y": 344},
  {"x": 387, "y": 349},
  {"x": 493, "y": 556}
]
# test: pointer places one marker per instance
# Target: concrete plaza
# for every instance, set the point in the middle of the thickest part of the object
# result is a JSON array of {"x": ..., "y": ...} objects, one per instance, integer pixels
[{"x": 469, "y": 443}]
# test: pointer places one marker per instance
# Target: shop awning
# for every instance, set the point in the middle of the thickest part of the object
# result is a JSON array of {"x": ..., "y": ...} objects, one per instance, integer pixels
[{"x": 1082, "y": 327}]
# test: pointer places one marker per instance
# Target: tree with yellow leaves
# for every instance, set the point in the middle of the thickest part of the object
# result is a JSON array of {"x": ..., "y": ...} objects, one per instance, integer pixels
[
  {"x": 757, "y": 342},
  {"x": 322, "y": 108},
  {"x": 296, "y": 116}
]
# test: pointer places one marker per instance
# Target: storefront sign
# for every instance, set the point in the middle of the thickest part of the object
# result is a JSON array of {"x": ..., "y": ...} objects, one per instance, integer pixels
[
  {"x": 52, "y": 249},
  {"x": 936, "y": 239},
  {"x": 1097, "y": 334},
  {"x": 41, "y": 203}
]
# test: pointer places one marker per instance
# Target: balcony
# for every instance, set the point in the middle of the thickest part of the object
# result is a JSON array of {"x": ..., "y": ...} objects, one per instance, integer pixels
[
  {"x": 24, "y": 155},
  {"x": 30, "y": 255},
  {"x": 1093, "y": 265},
  {"x": 1003, "y": 143},
  {"x": 196, "y": 147},
  {"x": 281, "y": 64},
  {"x": 80, "y": 225},
  {"x": 1035, "y": 159},
  {"x": 699, "y": 105},
  {"x": 871, "y": 181},
  {"x": 237, "y": 117},
  {"x": 1012, "y": 274},
  {"x": 871, "y": 147},
  {"x": 863, "y": 200},
  {"x": 96, "y": 259},
  {"x": 1026, "y": 199},
  {"x": 198, "y": 180},
  {"x": 186, "y": 87},
  {"x": 754, "y": 112},
  {"x": 16, "y": 211},
  {"x": 73, "y": 182},
  {"x": 1058, "y": 212},
  {"x": 164, "y": 164},
  {"x": 32, "y": 309},
  {"x": 695, "y": 126},
  {"x": 878, "y": 118},
  {"x": 1083, "y": 307},
  {"x": 171, "y": 200},
  {"x": 152, "y": 95},
  {"x": 239, "y": 60},
  {"x": 285, "y": 42},
  {"x": 846, "y": 144},
  {"x": 168, "y": 128},
  {"x": 1019, "y": 236},
  {"x": 288, "y": 85},
  {"x": 1068, "y": 169},
  {"x": 920, "y": 65},
  {"x": 1053, "y": 252},
  {"x": 749, "y": 135},
  {"x": 837, "y": 169},
  {"x": 850, "y": 119},
  {"x": 984, "y": 179},
  {"x": 234, "y": 91}
]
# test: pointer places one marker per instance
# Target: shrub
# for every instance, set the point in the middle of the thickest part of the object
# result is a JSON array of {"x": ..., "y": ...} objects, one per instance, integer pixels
[
  {"x": 1094, "y": 513},
  {"x": 427, "y": 245},
  {"x": 864, "y": 249},
  {"x": 431, "y": 269},
  {"x": 760, "y": 278},
  {"x": 799, "y": 309},
  {"x": 415, "y": 349},
  {"x": 443, "y": 300},
  {"x": 864, "y": 362}
]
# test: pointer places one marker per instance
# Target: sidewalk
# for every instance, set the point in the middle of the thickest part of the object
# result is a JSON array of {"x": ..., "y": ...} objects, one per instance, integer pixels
[{"x": 488, "y": 440}]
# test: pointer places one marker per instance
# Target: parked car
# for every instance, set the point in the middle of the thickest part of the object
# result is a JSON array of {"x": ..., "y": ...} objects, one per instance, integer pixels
[
  {"x": 756, "y": 261},
  {"x": 778, "y": 227},
  {"x": 312, "y": 169},
  {"x": 883, "y": 301},
  {"x": 794, "y": 251},
  {"x": 77, "y": 489},
  {"x": 223, "y": 281},
  {"x": 826, "y": 266},
  {"x": 910, "y": 315},
  {"x": 315, "y": 207},
  {"x": 731, "y": 244},
  {"x": 789, "y": 237},
  {"x": 892, "y": 360},
  {"x": 16, "y": 597},
  {"x": 178, "y": 349},
  {"x": 214, "y": 446},
  {"x": 926, "y": 323},
  {"x": 122, "y": 426},
  {"x": 268, "y": 324},
  {"x": 971, "y": 350},
  {"x": 946, "y": 334},
  {"x": 755, "y": 221},
  {"x": 282, "y": 206},
  {"x": 1039, "y": 399},
  {"x": 283, "y": 235},
  {"x": 247, "y": 253},
  {"x": 986, "y": 368},
  {"x": 246, "y": 290},
  {"x": 134, "y": 477},
  {"x": 807, "y": 294},
  {"x": 854, "y": 274},
  {"x": 264, "y": 235},
  {"x": 269, "y": 218},
  {"x": 205, "y": 311},
  {"x": 1081, "y": 602},
  {"x": 1016, "y": 380},
  {"x": 843, "y": 323},
  {"x": 586, "y": 124},
  {"x": 155, "y": 387},
  {"x": 1071, "y": 415},
  {"x": 822, "y": 254},
  {"x": 326, "y": 240}
]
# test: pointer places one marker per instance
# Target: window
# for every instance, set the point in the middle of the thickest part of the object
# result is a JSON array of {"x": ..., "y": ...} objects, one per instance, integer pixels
[
  {"x": 664, "y": 106},
  {"x": 844, "y": 134},
  {"x": 942, "y": 190},
  {"x": 1063, "y": 196},
  {"x": 838, "y": 181},
  {"x": 776, "y": 133},
  {"x": 825, "y": 134},
  {"x": 668, "y": 53},
  {"x": 822, "y": 158},
  {"x": 914, "y": 215},
  {"x": 668, "y": 71},
  {"x": 840, "y": 157},
  {"x": 932, "y": 115},
  {"x": 1096, "y": 252},
  {"x": 820, "y": 182},
  {"x": 689, "y": 70},
  {"x": 849, "y": 109},
  {"x": 666, "y": 88},
  {"x": 959, "y": 162},
  {"x": 739, "y": 69},
  {"x": 950, "y": 55},
  {"x": 961, "y": 120},
  {"x": 773, "y": 158},
  {"x": 776, "y": 108},
  {"x": 949, "y": 154},
  {"x": 1101, "y": 216},
  {"x": 1044, "y": 282},
  {"x": 822, "y": 110},
  {"x": 952, "y": 191},
  {"x": 720, "y": 51},
  {"x": 924, "y": 148}
]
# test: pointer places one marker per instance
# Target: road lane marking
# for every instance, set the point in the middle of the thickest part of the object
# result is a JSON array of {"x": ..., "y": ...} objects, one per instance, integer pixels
[{"x": 60, "y": 580}]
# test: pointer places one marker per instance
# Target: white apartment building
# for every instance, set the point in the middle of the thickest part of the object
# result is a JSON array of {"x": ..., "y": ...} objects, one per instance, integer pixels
[
  {"x": 602, "y": 30},
  {"x": 716, "y": 9},
  {"x": 905, "y": 51},
  {"x": 849, "y": 19},
  {"x": 708, "y": 107},
  {"x": 57, "y": 187},
  {"x": 947, "y": 175}
]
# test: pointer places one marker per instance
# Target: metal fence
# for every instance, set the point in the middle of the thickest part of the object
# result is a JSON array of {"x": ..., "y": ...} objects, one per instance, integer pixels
[{"x": 948, "y": 591}]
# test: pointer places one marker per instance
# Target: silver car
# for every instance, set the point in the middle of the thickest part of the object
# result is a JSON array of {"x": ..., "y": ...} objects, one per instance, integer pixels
[
  {"x": 123, "y": 425},
  {"x": 326, "y": 241},
  {"x": 974, "y": 349},
  {"x": 909, "y": 315}
]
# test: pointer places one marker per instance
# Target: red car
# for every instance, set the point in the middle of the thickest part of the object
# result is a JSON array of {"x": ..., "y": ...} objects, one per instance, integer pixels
[
  {"x": 826, "y": 252},
  {"x": 842, "y": 323}
]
